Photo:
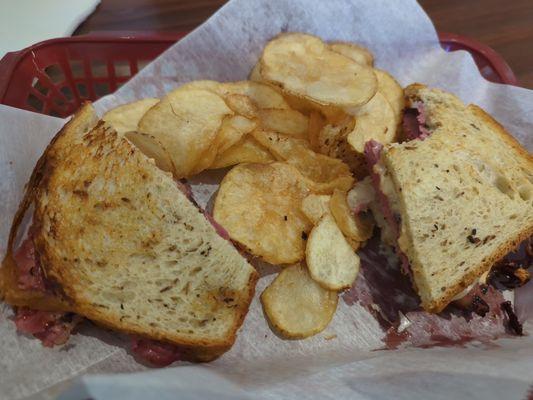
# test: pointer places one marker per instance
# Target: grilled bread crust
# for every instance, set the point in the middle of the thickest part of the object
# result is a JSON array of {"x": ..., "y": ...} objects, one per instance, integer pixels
[
  {"x": 465, "y": 195},
  {"x": 125, "y": 247}
]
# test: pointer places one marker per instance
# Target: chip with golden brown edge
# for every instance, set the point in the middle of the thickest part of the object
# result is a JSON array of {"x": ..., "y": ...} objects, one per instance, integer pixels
[
  {"x": 125, "y": 118},
  {"x": 359, "y": 54},
  {"x": 392, "y": 91},
  {"x": 331, "y": 261},
  {"x": 255, "y": 73},
  {"x": 288, "y": 122},
  {"x": 315, "y": 206},
  {"x": 324, "y": 171},
  {"x": 356, "y": 228},
  {"x": 242, "y": 105},
  {"x": 152, "y": 148},
  {"x": 259, "y": 206},
  {"x": 316, "y": 123},
  {"x": 185, "y": 122},
  {"x": 247, "y": 150},
  {"x": 261, "y": 94},
  {"x": 375, "y": 120},
  {"x": 296, "y": 306},
  {"x": 232, "y": 130},
  {"x": 303, "y": 65}
]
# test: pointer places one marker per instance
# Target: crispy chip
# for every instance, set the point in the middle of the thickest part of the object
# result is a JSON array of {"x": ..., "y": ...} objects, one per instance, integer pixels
[
  {"x": 356, "y": 228},
  {"x": 248, "y": 150},
  {"x": 288, "y": 122},
  {"x": 242, "y": 105},
  {"x": 255, "y": 74},
  {"x": 152, "y": 148},
  {"x": 316, "y": 123},
  {"x": 263, "y": 95},
  {"x": 302, "y": 65},
  {"x": 392, "y": 91},
  {"x": 375, "y": 120},
  {"x": 315, "y": 206},
  {"x": 125, "y": 118},
  {"x": 332, "y": 263},
  {"x": 185, "y": 122},
  {"x": 232, "y": 130},
  {"x": 325, "y": 172},
  {"x": 359, "y": 54},
  {"x": 259, "y": 206},
  {"x": 296, "y": 306}
]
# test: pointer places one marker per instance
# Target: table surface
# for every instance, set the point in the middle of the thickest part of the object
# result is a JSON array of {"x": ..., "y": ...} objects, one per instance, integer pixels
[{"x": 504, "y": 25}]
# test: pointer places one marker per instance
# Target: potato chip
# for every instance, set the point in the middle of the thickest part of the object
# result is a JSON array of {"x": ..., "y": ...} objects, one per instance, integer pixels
[
  {"x": 263, "y": 95},
  {"x": 332, "y": 263},
  {"x": 259, "y": 206},
  {"x": 359, "y": 54},
  {"x": 242, "y": 105},
  {"x": 288, "y": 122},
  {"x": 248, "y": 150},
  {"x": 152, "y": 148},
  {"x": 392, "y": 91},
  {"x": 316, "y": 123},
  {"x": 315, "y": 206},
  {"x": 232, "y": 130},
  {"x": 185, "y": 122},
  {"x": 357, "y": 228},
  {"x": 204, "y": 84},
  {"x": 375, "y": 120},
  {"x": 255, "y": 74},
  {"x": 125, "y": 118},
  {"x": 296, "y": 306},
  {"x": 318, "y": 168},
  {"x": 302, "y": 65}
]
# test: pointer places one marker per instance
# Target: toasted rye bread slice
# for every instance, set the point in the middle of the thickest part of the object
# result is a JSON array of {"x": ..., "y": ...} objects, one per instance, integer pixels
[
  {"x": 129, "y": 251},
  {"x": 81, "y": 123},
  {"x": 465, "y": 195}
]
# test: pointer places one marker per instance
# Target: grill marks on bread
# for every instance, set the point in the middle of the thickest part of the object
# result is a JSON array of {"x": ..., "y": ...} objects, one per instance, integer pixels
[{"x": 131, "y": 252}]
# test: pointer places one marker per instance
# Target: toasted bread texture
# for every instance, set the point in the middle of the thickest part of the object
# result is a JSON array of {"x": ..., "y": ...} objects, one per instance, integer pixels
[
  {"x": 129, "y": 251},
  {"x": 81, "y": 123},
  {"x": 465, "y": 195}
]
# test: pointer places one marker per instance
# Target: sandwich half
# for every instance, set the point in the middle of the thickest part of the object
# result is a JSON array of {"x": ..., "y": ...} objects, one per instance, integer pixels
[
  {"x": 116, "y": 240},
  {"x": 455, "y": 197}
]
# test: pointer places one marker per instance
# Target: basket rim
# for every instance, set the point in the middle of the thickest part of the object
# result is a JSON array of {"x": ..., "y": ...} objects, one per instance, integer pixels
[{"x": 11, "y": 60}]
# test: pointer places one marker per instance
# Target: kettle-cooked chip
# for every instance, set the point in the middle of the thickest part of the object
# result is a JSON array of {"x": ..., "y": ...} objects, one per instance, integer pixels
[
  {"x": 315, "y": 206},
  {"x": 392, "y": 91},
  {"x": 125, "y": 118},
  {"x": 296, "y": 306},
  {"x": 186, "y": 122},
  {"x": 259, "y": 206},
  {"x": 232, "y": 130},
  {"x": 304, "y": 66},
  {"x": 326, "y": 172},
  {"x": 248, "y": 150},
  {"x": 288, "y": 122},
  {"x": 152, "y": 148},
  {"x": 375, "y": 120},
  {"x": 331, "y": 261},
  {"x": 357, "y": 53},
  {"x": 356, "y": 228}
]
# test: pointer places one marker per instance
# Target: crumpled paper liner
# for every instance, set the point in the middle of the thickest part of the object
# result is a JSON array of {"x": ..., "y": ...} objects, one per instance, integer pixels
[{"x": 261, "y": 365}]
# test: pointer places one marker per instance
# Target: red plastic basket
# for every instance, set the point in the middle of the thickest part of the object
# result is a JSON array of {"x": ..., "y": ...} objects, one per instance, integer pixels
[{"x": 55, "y": 76}]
